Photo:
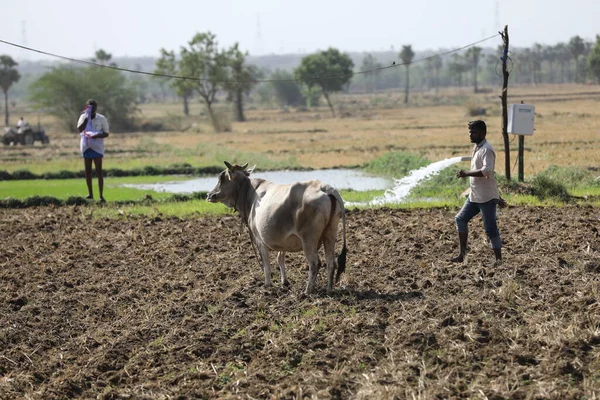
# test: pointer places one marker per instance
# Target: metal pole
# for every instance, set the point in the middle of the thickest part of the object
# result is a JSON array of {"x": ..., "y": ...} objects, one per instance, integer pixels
[
  {"x": 521, "y": 152},
  {"x": 520, "y": 156}
]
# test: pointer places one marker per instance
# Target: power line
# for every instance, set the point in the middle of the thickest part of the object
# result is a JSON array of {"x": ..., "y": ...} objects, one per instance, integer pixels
[{"x": 316, "y": 78}]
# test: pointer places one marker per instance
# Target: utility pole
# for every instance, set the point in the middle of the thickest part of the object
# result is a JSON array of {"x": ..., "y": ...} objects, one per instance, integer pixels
[{"x": 504, "y": 96}]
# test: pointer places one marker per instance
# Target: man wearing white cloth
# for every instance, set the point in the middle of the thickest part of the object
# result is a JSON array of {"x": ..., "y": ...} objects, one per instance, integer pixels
[
  {"x": 484, "y": 196},
  {"x": 93, "y": 128}
]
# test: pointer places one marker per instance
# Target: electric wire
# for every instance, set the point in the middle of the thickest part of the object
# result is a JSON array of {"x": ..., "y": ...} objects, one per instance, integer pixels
[{"x": 168, "y": 76}]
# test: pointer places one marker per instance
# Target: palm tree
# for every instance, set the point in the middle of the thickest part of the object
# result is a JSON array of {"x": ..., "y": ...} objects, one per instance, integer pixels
[
  {"x": 456, "y": 68},
  {"x": 549, "y": 55},
  {"x": 8, "y": 76},
  {"x": 473, "y": 55},
  {"x": 562, "y": 56},
  {"x": 429, "y": 72},
  {"x": 437, "y": 66},
  {"x": 407, "y": 56},
  {"x": 576, "y": 48},
  {"x": 594, "y": 60},
  {"x": 536, "y": 63}
]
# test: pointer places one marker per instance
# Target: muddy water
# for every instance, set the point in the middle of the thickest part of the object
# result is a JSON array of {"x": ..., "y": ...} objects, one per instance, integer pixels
[{"x": 341, "y": 179}]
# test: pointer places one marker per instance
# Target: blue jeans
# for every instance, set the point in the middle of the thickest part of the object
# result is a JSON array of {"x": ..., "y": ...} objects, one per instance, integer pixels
[{"x": 488, "y": 214}]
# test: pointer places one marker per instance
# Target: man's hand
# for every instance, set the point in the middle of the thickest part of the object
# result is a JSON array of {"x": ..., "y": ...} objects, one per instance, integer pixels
[
  {"x": 461, "y": 173},
  {"x": 81, "y": 127},
  {"x": 502, "y": 203}
]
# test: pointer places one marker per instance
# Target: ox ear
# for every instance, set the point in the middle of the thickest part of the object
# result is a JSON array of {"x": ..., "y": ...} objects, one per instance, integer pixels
[
  {"x": 229, "y": 166},
  {"x": 250, "y": 170}
]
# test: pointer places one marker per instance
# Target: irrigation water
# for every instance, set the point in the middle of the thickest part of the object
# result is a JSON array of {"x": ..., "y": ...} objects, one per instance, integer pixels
[
  {"x": 403, "y": 186},
  {"x": 343, "y": 179}
]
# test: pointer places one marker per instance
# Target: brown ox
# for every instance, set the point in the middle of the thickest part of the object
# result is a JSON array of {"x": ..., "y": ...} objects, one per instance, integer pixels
[{"x": 296, "y": 217}]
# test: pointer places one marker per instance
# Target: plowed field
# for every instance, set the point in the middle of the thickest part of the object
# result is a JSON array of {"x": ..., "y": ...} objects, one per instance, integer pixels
[{"x": 160, "y": 308}]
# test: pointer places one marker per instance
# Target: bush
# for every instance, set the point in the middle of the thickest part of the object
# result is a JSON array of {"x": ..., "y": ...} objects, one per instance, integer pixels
[
  {"x": 36, "y": 201},
  {"x": 24, "y": 174},
  {"x": 75, "y": 201},
  {"x": 396, "y": 164},
  {"x": 151, "y": 171},
  {"x": 5, "y": 176},
  {"x": 544, "y": 187},
  {"x": 11, "y": 202},
  {"x": 569, "y": 176},
  {"x": 62, "y": 175}
]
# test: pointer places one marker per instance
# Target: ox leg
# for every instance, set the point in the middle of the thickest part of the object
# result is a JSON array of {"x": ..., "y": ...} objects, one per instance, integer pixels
[
  {"x": 312, "y": 256},
  {"x": 264, "y": 257},
  {"x": 329, "y": 246},
  {"x": 281, "y": 262}
]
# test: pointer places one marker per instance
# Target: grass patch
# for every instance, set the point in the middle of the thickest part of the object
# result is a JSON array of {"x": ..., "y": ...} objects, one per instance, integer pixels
[
  {"x": 360, "y": 197},
  {"x": 148, "y": 170},
  {"x": 571, "y": 177},
  {"x": 185, "y": 209},
  {"x": 444, "y": 185},
  {"x": 62, "y": 189},
  {"x": 396, "y": 164}
]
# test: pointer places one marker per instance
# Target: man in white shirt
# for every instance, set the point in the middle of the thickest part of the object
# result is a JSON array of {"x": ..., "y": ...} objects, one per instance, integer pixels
[
  {"x": 484, "y": 196},
  {"x": 21, "y": 124},
  {"x": 93, "y": 128}
]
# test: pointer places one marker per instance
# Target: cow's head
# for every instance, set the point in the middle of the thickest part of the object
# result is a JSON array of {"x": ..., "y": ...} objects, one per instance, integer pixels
[{"x": 230, "y": 181}]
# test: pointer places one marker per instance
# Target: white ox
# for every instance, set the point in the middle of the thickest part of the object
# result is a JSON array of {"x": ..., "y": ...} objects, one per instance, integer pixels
[{"x": 296, "y": 217}]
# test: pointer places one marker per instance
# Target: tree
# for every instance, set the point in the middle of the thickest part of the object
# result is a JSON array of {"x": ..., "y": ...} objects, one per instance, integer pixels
[
  {"x": 371, "y": 78},
  {"x": 203, "y": 60},
  {"x": 287, "y": 90},
  {"x": 167, "y": 65},
  {"x": 327, "y": 70},
  {"x": 437, "y": 66},
  {"x": 103, "y": 58},
  {"x": 8, "y": 76},
  {"x": 429, "y": 72},
  {"x": 473, "y": 55},
  {"x": 594, "y": 60},
  {"x": 457, "y": 68},
  {"x": 241, "y": 78},
  {"x": 563, "y": 57},
  {"x": 576, "y": 48},
  {"x": 64, "y": 90},
  {"x": 549, "y": 55},
  {"x": 406, "y": 55},
  {"x": 536, "y": 63}
]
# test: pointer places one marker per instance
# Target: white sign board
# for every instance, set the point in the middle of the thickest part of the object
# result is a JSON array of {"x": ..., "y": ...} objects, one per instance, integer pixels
[{"x": 520, "y": 119}]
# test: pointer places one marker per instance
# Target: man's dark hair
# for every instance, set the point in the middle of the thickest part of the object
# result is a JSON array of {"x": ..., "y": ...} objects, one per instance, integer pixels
[
  {"x": 92, "y": 102},
  {"x": 478, "y": 126}
]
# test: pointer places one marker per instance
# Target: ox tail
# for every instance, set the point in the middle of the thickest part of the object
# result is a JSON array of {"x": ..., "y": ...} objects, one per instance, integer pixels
[{"x": 341, "y": 261}]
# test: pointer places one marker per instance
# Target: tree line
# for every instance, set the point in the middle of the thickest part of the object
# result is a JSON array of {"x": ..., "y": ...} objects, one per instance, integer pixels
[{"x": 225, "y": 74}]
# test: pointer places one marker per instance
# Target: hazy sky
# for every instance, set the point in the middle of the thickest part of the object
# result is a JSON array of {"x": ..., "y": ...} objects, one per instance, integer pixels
[{"x": 140, "y": 28}]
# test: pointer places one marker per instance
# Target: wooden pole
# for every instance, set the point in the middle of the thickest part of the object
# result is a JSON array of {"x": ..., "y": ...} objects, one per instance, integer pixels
[{"x": 504, "y": 95}]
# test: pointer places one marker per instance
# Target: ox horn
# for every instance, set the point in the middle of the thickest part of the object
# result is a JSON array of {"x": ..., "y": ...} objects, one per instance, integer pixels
[{"x": 229, "y": 166}]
